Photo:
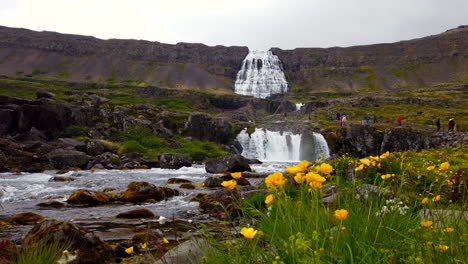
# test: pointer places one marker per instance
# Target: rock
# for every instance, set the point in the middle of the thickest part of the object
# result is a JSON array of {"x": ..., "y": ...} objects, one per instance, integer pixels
[
  {"x": 95, "y": 148},
  {"x": 188, "y": 252},
  {"x": 8, "y": 251},
  {"x": 173, "y": 161},
  {"x": 65, "y": 159},
  {"x": 142, "y": 191},
  {"x": 217, "y": 203},
  {"x": 44, "y": 94},
  {"x": 178, "y": 180},
  {"x": 8, "y": 117},
  {"x": 212, "y": 182},
  {"x": 254, "y": 161},
  {"x": 51, "y": 204},
  {"x": 26, "y": 218},
  {"x": 88, "y": 197},
  {"x": 204, "y": 127},
  {"x": 187, "y": 186},
  {"x": 145, "y": 237},
  {"x": 231, "y": 163},
  {"x": 120, "y": 252},
  {"x": 367, "y": 190},
  {"x": 61, "y": 179},
  {"x": 137, "y": 213},
  {"x": 90, "y": 249},
  {"x": 247, "y": 174}
]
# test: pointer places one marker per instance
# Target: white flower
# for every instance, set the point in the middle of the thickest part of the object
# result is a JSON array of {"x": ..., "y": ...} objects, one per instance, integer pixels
[{"x": 67, "y": 257}]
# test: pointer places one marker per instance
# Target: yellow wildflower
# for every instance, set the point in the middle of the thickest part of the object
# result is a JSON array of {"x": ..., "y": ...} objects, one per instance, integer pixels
[
  {"x": 314, "y": 177},
  {"x": 431, "y": 168},
  {"x": 443, "y": 247},
  {"x": 293, "y": 170},
  {"x": 374, "y": 158},
  {"x": 365, "y": 161},
  {"x": 326, "y": 168},
  {"x": 249, "y": 232},
  {"x": 303, "y": 164},
  {"x": 385, "y": 155},
  {"x": 427, "y": 223},
  {"x": 300, "y": 177},
  {"x": 229, "y": 184},
  {"x": 449, "y": 230},
  {"x": 315, "y": 185},
  {"x": 275, "y": 179},
  {"x": 359, "y": 168},
  {"x": 341, "y": 214},
  {"x": 236, "y": 175},
  {"x": 269, "y": 199},
  {"x": 165, "y": 241},
  {"x": 129, "y": 250},
  {"x": 343, "y": 228},
  {"x": 444, "y": 166},
  {"x": 387, "y": 176},
  {"x": 425, "y": 200},
  {"x": 144, "y": 245},
  {"x": 436, "y": 199}
]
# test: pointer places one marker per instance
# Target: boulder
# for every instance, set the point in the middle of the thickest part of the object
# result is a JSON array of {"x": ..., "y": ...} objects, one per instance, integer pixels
[
  {"x": 254, "y": 161},
  {"x": 44, "y": 94},
  {"x": 95, "y": 148},
  {"x": 137, "y": 213},
  {"x": 212, "y": 182},
  {"x": 178, "y": 180},
  {"x": 232, "y": 163},
  {"x": 88, "y": 197},
  {"x": 142, "y": 191},
  {"x": 187, "y": 185},
  {"x": 61, "y": 179},
  {"x": 51, "y": 204},
  {"x": 189, "y": 252},
  {"x": 219, "y": 202},
  {"x": 173, "y": 161},
  {"x": 88, "y": 247},
  {"x": 65, "y": 159},
  {"x": 26, "y": 218},
  {"x": 204, "y": 127}
]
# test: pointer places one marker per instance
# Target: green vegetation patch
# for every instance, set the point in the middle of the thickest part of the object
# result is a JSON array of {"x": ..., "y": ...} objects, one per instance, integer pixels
[{"x": 179, "y": 104}]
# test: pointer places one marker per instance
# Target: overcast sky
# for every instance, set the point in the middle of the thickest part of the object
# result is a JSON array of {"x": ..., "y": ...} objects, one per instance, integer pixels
[{"x": 258, "y": 24}]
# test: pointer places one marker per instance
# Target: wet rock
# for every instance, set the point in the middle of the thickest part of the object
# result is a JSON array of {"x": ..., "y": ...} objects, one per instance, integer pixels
[
  {"x": 217, "y": 203},
  {"x": 178, "y": 180},
  {"x": 247, "y": 174},
  {"x": 113, "y": 194},
  {"x": 26, "y": 218},
  {"x": 137, "y": 213},
  {"x": 66, "y": 159},
  {"x": 254, "y": 161},
  {"x": 188, "y": 252},
  {"x": 187, "y": 186},
  {"x": 61, "y": 179},
  {"x": 212, "y": 182},
  {"x": 51, "y": 204},
  {"x": 232, "y": 163},
  {"x": 88, "y": 197},
  {"x": 173, "y": 161},
  {"x": 8, "y": 251},
  {"x": 145, "y": 237},
  {"x": 90, "y": 249},
  {"x": 142, "y": 191}
]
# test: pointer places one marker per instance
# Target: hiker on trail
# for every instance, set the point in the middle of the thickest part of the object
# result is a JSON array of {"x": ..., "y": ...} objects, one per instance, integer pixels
[
  {"x": 437, "y": 123},
  {"x": 342, "y": 120},
  {"x": 330, "y": 116},
  {"x": 399, "y": 120},
  {"x": 338, "y": 116},
  {"x": 375, "y": 118},
  {"x": 368, "y": 119},
  {"x": 451, "y": 124},
  {"x": 363, "y": 119}
]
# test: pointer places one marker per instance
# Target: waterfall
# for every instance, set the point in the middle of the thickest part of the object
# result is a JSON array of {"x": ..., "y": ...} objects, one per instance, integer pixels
[
  {"x": 299, "y": 106},
  {"x": 261, "y": 75},
  {"x": 269, "y": 145}
]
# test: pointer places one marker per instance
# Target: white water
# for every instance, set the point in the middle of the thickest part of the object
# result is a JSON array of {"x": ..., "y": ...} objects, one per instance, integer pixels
[
  {"x": 261, "y": 75},
  {"x": 273, "y": 146},
  {"x": 299, "y": 106}
]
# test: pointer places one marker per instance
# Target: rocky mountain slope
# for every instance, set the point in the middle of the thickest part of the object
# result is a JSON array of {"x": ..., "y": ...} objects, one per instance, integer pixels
[{"x": 416, "y": 63}]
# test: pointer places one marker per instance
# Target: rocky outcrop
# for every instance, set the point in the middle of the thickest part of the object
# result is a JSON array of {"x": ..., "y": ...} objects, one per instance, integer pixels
[
  {"x": 88, "y": 197},
  {"x": 204, "y": 127},
  {"x": 26, "y": 218},
  {"x": 231, "y": 163},
  {"x": 142, "y": 191},
  {"x": 420, "y": 62},
  {"x": 173, "y": 161},
  {"x": 83, "y": 58},
  {"x": 68, "y": 159}
]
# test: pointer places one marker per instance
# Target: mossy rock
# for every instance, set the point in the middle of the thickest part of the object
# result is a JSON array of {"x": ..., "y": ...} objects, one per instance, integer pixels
[
  {"x": 142, "y": 191},
  {"x": 88, "y": 197},
  {"x": 26, "y": 218},
  {"x": 61, "y": 179},
  {"x": 178, "y": 180},
  {"x": 187, "y": 186},
  {"x": 137, "y": 213},
  {"x": 51, "y": 204},
  {"x": 145, "y": 237}
]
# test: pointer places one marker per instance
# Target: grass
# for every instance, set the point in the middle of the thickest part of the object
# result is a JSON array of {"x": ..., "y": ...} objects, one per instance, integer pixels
[
  {"x": 41, "y": 253},
  {"x": 383, "y": 227},
  {"x": 180, "y": 104}
]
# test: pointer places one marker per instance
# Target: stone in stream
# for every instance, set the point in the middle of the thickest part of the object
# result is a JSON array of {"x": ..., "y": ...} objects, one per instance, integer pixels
[
  {"x": 178, "y": 180},
  {"x": 231, "y": 163},
  {"x": 136, "y": 213},
  {"x": 142, "y": 191},
  {"x": 88, "y": 197},
  {"x": 51, "y": 204},
  {"x": 88, "y": 247},
  {"x": 187, "y": 185},
  {"x": 173, "y": 161},
  {"x": 212, "y": 182},
  {"x": 66, "y": 159},
  {"x": 26, "y": 218}
]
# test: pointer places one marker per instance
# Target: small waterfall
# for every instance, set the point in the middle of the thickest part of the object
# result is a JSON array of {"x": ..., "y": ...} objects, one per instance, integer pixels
[
  {"x": 269, "y": 145},
  {"x": 261, "y": 75},
  {"x": 299, "y": 106}
]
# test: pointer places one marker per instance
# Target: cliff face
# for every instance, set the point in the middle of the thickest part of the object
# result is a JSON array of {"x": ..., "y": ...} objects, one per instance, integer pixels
[
  {"x": 420, "y": 62},
  {"x": 81, "y": 58}
]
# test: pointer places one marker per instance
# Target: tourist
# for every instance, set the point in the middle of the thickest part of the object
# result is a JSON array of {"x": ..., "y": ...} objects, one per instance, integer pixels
[
  {"x": 399, "y": 120},
  {"x": 437, "y": 123},
  {"x": 330, "y": 116},
  {"x": 451, "y": 125},
  {"x": 338, "y": 116},
  {"x": 342, "y": 120},
  {"x": 375, "y": 118}
]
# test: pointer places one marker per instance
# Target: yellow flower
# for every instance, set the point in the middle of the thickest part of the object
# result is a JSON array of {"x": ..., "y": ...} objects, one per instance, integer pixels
[
  {"x": 129, "y": 250},
  {"x": 343, "y": 228},
  {"x": 303, "y": 164},
  {"x": 365, "y": 161},
  {"x": 293, "y": 170},
  {"x": 299, "y": 178},
  {"x": 436, "y": 199},
  {"x": 444, "y": 166},
  {"x": 326, "y": 168},
  {"x": 165, "y": 241},
  {"x": 248, "y": 232},
  {"x": 427, "y": 223},
  {"x": 277, "y": 257},
  {"x": 236, "y": 175},
  {"x": 374, "y": 158},
  {"x": 315, "y": 185},
  {"x": 275, "y": 179},
  {"x": 443, "y": 247},
  {"x": 229, "y": 184},
  {"x": 341, "y": 214},
  {"x": 449, "y": 230},
  {"x": 387, "y": 176},
  {"x": 425, "y": 200},
  {"x": 269, "y": 199},
  {"x": 359, "y": 168},
  {"x": 144, "y": 245},
  {"x": 314, "y": 177},
  {"x": 431, "y": 168},
  {"x": 385, "y": 155}
]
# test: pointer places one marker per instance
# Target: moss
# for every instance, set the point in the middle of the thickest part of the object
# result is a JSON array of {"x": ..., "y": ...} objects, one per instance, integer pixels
[
  {"x": 26, "y": 218},
  {"x": 116, "y": 160},
  {"x": 180, "y": 104},
  {"x": 76, "y": 131}
]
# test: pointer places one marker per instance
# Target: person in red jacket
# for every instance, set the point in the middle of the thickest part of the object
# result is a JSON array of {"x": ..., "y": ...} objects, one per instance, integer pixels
[{"x": 399, "y": 120}]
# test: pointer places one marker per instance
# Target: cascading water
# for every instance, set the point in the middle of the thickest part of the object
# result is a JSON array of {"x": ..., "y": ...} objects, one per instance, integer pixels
[
  {"x": 261, "y": 75},
  {"x": 268, "y": 145}
]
